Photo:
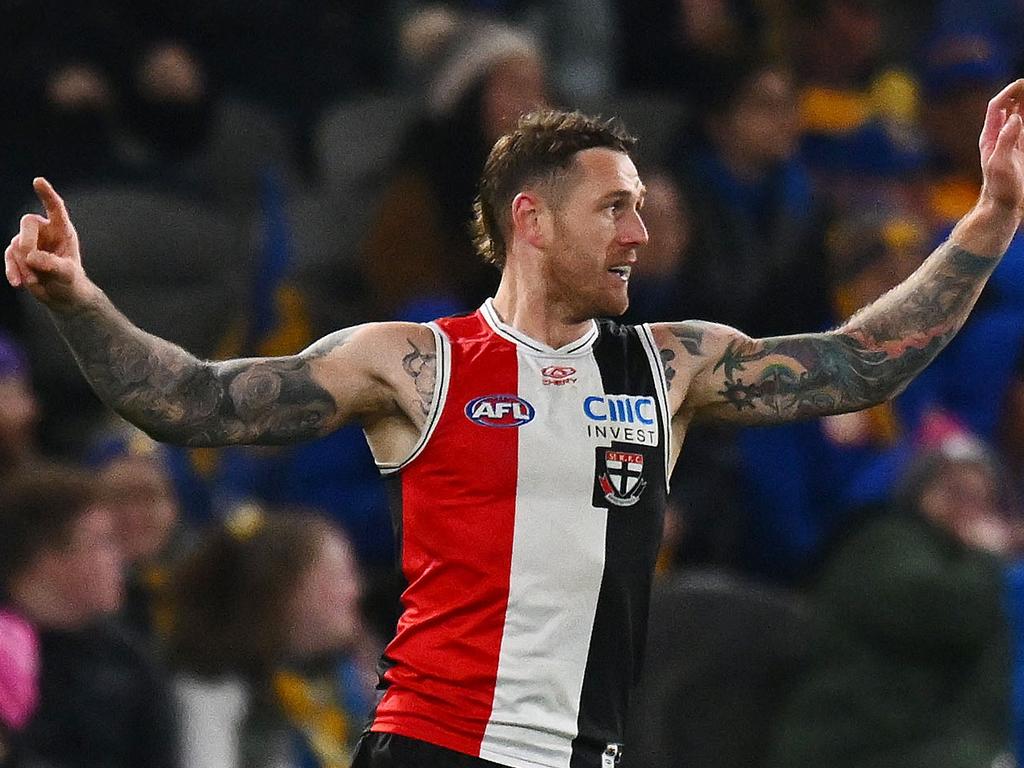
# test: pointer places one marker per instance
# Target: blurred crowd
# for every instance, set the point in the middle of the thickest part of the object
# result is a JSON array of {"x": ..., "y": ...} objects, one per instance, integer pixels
[{"x": 246, "y": 177}]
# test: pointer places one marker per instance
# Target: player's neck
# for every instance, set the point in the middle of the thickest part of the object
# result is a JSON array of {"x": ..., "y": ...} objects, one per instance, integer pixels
[{"x": 526, "y": 306}]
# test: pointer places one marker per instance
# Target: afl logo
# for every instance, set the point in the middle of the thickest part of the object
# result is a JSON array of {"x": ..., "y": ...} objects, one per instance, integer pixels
[{"x": 500, "y": 411}]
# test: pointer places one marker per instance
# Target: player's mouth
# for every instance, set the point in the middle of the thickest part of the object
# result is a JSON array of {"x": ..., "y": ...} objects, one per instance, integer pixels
[{"x": 622, "y": 272}]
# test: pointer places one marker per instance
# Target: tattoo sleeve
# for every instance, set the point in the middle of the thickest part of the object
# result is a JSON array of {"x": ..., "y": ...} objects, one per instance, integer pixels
[
  {"x": 872, "y": 357},
  {"x": 178, "y": 398}
]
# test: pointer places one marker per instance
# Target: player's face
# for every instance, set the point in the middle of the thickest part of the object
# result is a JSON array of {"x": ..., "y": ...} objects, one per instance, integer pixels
[{"x": 598, "y": 230}]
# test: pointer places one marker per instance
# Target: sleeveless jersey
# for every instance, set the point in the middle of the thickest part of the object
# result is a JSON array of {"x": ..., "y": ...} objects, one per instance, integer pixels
[{"x": 531, "y": 515}]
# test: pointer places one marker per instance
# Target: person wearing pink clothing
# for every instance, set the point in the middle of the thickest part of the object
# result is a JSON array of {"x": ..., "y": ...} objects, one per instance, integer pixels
[
  {"x": 19, "y": 676},
  {"x": 75, "y": 688}
]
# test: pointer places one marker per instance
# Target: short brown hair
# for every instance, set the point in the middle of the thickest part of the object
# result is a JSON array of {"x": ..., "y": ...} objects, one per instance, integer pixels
[
  {"x": 38, "y": 505},
  {"x": 540, "y": 149}
]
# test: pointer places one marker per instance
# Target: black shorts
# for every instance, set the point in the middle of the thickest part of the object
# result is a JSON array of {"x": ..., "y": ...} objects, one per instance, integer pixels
[{"x": 389, "y": 750}]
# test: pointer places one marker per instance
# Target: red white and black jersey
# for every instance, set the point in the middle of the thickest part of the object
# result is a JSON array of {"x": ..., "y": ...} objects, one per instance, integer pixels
[{"x": 531, "y": 515}]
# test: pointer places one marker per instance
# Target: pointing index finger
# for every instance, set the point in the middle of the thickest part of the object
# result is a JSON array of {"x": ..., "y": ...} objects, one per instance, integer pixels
[{"x": 53, "y": 203}]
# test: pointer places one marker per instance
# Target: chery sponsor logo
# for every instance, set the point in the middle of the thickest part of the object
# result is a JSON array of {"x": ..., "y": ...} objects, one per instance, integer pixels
[
  {"x": 558, "y": 375},
  {"x": 500, "y": 411}
]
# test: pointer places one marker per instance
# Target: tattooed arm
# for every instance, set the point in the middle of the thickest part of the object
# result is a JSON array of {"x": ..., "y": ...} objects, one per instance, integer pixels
[
  {"x": 877, "y": 352},
  {"x": 381, "y": 374},
  {"x": 178, "y": 398},
  {"x": 175, "y": 397},
  {"x": 869, "y": 359}
]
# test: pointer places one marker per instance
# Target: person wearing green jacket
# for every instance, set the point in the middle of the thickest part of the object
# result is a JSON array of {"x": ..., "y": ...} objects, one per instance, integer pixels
[{"x": 910, "y": 663}]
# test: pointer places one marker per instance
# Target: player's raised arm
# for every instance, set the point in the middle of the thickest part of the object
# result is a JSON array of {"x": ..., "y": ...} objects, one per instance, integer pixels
[
  {"x": 178, "y": 398},
  {"x": 876, "y": 353}
]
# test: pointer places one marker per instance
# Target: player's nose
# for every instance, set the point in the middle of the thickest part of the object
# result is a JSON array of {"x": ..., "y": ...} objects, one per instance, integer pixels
[{"x": 633, "y": 231}]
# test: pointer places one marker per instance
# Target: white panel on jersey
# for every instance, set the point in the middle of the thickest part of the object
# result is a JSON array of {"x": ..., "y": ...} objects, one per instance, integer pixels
[{"x": 558, "y": 555}]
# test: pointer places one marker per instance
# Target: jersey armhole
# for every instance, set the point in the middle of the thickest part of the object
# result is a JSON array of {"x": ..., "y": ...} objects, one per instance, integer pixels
[
  {"x": 661, "y": 390},
  {"x": 442, "y": 378}
]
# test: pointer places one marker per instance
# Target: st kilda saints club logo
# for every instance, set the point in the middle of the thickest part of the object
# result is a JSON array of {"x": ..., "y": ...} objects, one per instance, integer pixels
[{"x": 620, "y": 476}]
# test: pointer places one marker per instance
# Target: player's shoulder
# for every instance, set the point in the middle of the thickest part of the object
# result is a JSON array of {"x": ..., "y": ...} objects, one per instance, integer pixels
[
  {"x": 372, "y": 339},
  {"x": 695, "y": 337}
]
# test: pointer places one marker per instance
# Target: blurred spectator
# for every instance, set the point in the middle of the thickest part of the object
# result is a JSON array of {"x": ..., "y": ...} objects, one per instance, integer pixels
[
  {"x": 578, "y": 36},
  {"x": 19, "y": 680},
  {"x": 722, "y": 652},
  {"x": 138, "y": 489},
  {"x": 756, "y": 258},
  {"x": 654, "y": 285},
  {"x": 960, "y": 74},
  {"x": 168, "y": 109},
  {"x": 858, "y": 109},
  {"x": 73, "y": 68},
  {"x": 298, "y": 57},
  {"x": 703, "y": 517},
  {"x": 484, "y": 75},
  {"x": 870, "y": 251},
  {"x": 335, "y": 474},
  {"x": 102, "y": 700},
  {"x": 736, "y": 238},
  {"x": 19, "y": 409},
  {"x": 580, "y": 39},
  {"x": 78, "y": 124},
  {"x": 1010, "y": 433},
  {"x": 682, "y": 39},
  {"x": 991, "y": 18},
  {"x": 274, "y": 663},
  {"x": 1015, "y": 601},
  {"x": 910, "y": 664}
]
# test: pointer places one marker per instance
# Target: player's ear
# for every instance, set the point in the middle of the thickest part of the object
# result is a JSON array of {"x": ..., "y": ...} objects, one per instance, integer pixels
[{"x": 531, "y": 219}]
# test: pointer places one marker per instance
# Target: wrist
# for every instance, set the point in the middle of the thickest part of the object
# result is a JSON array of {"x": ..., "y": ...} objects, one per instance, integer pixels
[
  {"x": 988, "y": 228},
  {"x": 80, "y": 297},
  {"x": 999, "y": 206}
]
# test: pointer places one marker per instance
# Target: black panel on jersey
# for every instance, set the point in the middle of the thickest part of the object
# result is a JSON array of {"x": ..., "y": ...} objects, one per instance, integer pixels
[
  {"x": 631, "y": 548},
  {"x": 383, "y": 618}
]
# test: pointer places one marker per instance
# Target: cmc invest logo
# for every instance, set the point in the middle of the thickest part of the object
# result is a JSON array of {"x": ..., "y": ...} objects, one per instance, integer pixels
[{"x": 500, "y": 411}]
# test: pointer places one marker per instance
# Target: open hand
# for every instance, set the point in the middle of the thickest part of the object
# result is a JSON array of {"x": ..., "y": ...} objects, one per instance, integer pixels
[
  {"x": 1002, "y": 149},
  {"x": 44, "y": 256}
]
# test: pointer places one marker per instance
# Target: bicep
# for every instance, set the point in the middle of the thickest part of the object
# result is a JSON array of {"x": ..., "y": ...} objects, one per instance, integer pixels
[
  {"x": 358, "y": 374},
  {"x": 786, "y": 378},
  {"x": 281, "y": 400}
]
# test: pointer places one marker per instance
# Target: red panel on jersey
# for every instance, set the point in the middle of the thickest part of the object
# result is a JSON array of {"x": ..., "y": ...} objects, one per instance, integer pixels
[{"x": 458, "y": 516}]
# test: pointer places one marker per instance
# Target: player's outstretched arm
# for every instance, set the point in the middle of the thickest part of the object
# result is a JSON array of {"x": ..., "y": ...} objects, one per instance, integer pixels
[
  {"x": 877, "y": 352},
  {"x": 178, "y": 398}
]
